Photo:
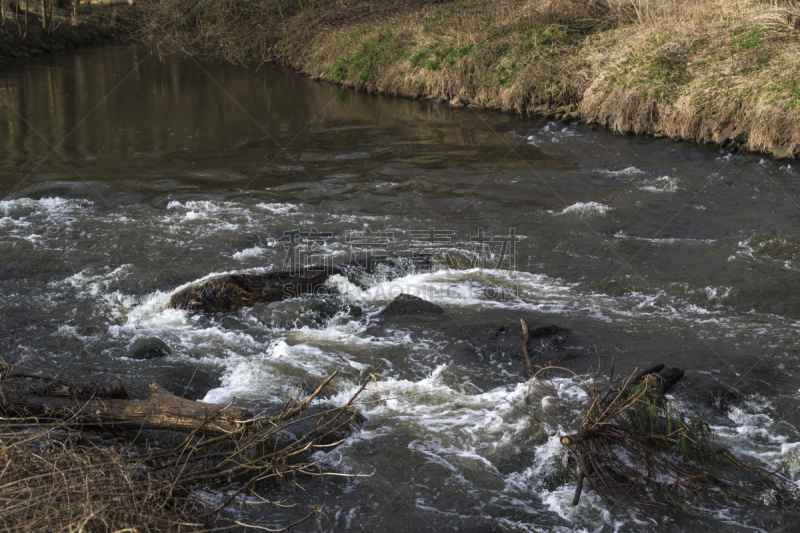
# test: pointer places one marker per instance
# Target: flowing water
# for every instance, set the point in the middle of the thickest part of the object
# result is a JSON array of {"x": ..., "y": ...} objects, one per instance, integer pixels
[{"x": 123, "y": 177}]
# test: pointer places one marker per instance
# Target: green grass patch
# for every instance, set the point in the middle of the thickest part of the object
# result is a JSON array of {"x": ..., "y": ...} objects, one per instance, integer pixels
[
  {"x": 435, "y": 57},
  {"x": 367, "y": 61},
  {"x": 749, "y": 40},
  {"x": 563, "y": 32}
]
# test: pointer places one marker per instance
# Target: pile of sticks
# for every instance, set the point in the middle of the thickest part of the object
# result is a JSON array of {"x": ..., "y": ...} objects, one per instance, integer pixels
[{"x": 70, "y": 459}]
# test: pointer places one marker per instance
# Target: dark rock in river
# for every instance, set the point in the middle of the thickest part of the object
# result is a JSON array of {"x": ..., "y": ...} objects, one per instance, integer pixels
[
  {"x": 314, "y": 312},
  {"x": 233, "y": 291},
  {"x": 508, "y": 337},
  {"x": 149, "y": 348},
  {"x": 723, "y": 396},
  {"x": 714, "y": 390},
  {"x": 500, "y": 345},
  {"x": 245, "y": 290},
  {"x": 408, "y": 305},
  {"x": 668, "y": 377},
  {"x": 327, "y": 308},
  {"x": 188, "y": 381},
  {"x": 538, "y": 330}
]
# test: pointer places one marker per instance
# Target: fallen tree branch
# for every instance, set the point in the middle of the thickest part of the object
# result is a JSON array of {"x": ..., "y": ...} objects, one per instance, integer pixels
[
  {"x": 633, "y": 439},
  {"x": 101, "y": 483},
  {"x": 160, "y": 411},
  {"x": 525, "y": 336}
]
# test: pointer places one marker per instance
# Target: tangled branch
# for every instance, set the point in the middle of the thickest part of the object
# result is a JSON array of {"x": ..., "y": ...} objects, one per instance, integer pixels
[{"x": 59, "y": 475}]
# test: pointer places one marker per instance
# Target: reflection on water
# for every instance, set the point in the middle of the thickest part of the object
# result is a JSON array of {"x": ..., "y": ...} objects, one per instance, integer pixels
[{"x": 124, "y": 177}]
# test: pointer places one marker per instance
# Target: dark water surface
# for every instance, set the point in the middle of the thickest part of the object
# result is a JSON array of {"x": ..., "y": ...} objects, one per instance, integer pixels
[{"x": 123, "y": 178}]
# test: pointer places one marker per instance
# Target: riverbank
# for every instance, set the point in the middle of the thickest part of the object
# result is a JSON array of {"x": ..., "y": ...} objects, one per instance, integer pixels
[
  {"x": 718, "y": 71},
  {"x": 88, "y": 24}
]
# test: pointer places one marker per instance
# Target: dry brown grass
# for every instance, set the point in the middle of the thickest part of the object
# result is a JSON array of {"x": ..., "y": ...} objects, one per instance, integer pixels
[
  {"x": 56, "y": 480},
  {"x": 693, "y": 69}
]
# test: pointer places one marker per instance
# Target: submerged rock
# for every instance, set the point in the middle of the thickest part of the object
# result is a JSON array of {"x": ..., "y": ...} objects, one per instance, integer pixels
[
  {"x": 366, "y": 274},
  {"x": 510, "y": 335},
  {"x": 233, "y": 291},
  {"x": 188, "y": 381},
  {"x": 723, "y": 396},
  {"x": 313, "y": 312},
  {"x": 149, "y": 348},
  {"x": 408, "y": 305}
]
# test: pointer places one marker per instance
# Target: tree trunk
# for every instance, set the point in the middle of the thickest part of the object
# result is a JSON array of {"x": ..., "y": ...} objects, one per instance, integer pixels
[
  {"x": 46, "y": 15},
  {"x": 161, "y": 411}
]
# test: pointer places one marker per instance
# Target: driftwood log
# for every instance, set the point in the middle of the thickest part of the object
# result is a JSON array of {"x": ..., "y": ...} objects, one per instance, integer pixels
[{"x": 106, "y": 408}]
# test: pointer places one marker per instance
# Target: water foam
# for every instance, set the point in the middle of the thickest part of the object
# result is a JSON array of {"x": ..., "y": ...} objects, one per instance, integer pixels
[
  {"x": 630, "y": 171},
  {"x": 250, "y": 253},
  {"x": 586, "y": 209},
  {"x": 278, "y": 208},
  {"x": 663, "y": 184}
]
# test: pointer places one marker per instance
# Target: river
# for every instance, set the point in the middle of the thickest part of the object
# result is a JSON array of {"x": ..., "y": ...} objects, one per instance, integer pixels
[{"x": 124, "y": 177}]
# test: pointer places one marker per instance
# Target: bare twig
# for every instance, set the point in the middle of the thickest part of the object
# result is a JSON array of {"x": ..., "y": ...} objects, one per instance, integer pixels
[{"x": 525, "y": 336}]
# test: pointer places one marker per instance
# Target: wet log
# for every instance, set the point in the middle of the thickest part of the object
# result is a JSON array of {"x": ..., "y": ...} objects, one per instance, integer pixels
[
  {"x": 114, "y": 389},
  {"x": 161, "y": 411},
  {"x": 577, "y": 438},
  {"x": 665, "y": 376},
  {"x": 233, "y": 291},
  {"x": 668, "y": 377}
]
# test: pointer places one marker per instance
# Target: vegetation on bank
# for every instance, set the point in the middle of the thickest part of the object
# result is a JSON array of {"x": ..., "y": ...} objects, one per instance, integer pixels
[
  {"x": 723, "y": 71},
  {"x": 35, "y": 27}
]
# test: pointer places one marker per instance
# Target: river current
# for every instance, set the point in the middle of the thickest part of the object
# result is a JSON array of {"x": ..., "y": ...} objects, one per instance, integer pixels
[{"x": 124, "y": 177}]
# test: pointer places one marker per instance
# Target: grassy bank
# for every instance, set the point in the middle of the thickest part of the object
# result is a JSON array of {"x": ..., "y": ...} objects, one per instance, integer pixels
[
  {"x": 87, "y": 24},
  {"x": 723, "y": 71}
]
